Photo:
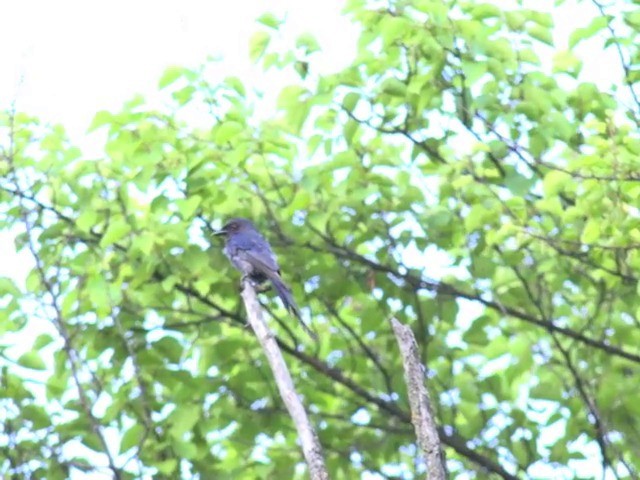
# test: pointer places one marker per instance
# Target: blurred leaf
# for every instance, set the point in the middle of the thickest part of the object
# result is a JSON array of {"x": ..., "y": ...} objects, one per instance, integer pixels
[
  {"x": 269, "y": 20},
  {"x": 115, "y": 232},
  {"x": 596, "y": 25},
  {"x": 132, "y": 437},
  {"x": 258, "y": 44},
  {"x": 170, "y": 75},
  {"x": 32, "y": 360}
]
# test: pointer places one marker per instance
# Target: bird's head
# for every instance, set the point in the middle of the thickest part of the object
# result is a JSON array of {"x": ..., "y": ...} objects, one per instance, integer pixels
[{"x": 234, "y": 226}]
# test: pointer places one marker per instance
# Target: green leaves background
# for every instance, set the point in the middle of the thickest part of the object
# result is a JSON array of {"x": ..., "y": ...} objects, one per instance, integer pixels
[{"x": 460, "y": 175}]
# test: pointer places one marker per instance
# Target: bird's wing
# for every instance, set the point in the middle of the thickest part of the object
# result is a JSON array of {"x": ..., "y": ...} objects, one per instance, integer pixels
[{"x": 256, "y": 250}]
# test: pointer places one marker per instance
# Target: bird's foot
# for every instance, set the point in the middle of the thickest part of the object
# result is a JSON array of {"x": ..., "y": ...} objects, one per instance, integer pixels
[
  {"x": 258, "y": 286},
  {"x": 244, "y": 280}
]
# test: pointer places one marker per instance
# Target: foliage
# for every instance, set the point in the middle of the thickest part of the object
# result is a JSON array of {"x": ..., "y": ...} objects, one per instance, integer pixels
[{"x": 461, "y": 175}]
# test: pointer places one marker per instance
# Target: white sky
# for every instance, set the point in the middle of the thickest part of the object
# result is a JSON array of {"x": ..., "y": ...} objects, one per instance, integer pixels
[
  {"x": 67, "y": 59},
  {"x": 64, "y": 60}
]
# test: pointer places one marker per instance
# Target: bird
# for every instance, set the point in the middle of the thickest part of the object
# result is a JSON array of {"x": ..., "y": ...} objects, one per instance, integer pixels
[{"x": 250, "y": 253}]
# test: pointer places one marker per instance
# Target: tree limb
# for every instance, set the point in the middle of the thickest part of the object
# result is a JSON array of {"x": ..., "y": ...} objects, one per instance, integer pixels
[
  {"x": 311, "y": 447},
  {"x": 421, "y": 411}
]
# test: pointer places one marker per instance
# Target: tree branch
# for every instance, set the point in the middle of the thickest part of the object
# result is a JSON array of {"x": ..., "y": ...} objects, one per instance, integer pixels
[
  {"x": 417, "y": 282},
  {"x": 311, "y": 447},
  {"x": 421, "y": 411}
]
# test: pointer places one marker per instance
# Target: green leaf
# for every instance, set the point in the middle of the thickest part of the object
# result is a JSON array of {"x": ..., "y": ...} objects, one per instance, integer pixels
[
  {"x": 91, "y": 440},
  {"x": 8, "y": 287},
  {"x": 566, "y": 61},
  {"x": 484, "y": 11},
  {"x": 101, "y": 119},
  {"x": 555, "y": 182},
  {"x": 188, "y": 206},
  {"x": 183, "y": 419},
  {"x": 591, "y": 231},
  {"x": 307, "y": 42},
  {"x": 236, "y": 84},
  {"x": 392, "y": 28},
  {"x": 350, "y": 101},
  {"x": 36, "y": 414},
  {"x": 632, "y": 18},
  {"x": 596, "y": 25},
  {"x": 168, "y": 466},
  {"x": 87, "y": 220},
  {"x": 541, "y": 33},
  {"x": 476, "y": 334},
  {"x": 170, "y": 348},
  {"x": 227, "y": 131},
  {"x": 518, "y": 183},
  {"x": 170, "y": 75},
  {"x": 116, "y": 231},
  {"x": 42, "y": 341},
  {"x": 32, "y": 360},
  {"x": 258, "y": 44},
  {"x": 350, "y": 129},
  {"x": 515, "y": 20},
  {"x": 290, "y": 96},
  {"x": 97, "y": 289},
  {"x": 394, "y": 87},
  {"x": 132, "y": 437},
  {"x": 145, "y": 242},
  {"x": 270, "y": 20},
  {"x": 633, "y": 75},
  {"x": 185, "y": 449},
  {"x": 184, "y": 95},
  {"x": 477, "y": 218},
  {"x": 543, "y": 19}
]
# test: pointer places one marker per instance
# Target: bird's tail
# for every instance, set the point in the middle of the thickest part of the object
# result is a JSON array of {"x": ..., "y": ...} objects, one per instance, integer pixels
[{"x": 290, "y": 304}]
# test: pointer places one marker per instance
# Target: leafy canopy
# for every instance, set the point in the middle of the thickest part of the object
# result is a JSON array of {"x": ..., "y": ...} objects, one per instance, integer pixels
[{"x": 462, "y": 175}]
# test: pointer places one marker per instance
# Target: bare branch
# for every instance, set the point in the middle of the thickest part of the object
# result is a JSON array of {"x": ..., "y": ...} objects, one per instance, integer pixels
[
  {"x": 311, "y": 447},
  {"x": 421, "y": 411}
]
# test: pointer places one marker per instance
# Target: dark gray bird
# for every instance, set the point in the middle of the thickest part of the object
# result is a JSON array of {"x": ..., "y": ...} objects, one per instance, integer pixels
[{"x": 251, "y": 254}]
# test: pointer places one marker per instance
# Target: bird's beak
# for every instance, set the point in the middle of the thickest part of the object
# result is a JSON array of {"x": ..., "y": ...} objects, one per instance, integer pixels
[{"x": 220, "y": 232}]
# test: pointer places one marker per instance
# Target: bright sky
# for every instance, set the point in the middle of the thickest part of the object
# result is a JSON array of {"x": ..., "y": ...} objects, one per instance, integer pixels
[
  {"x": 65, "y": 60},
  {"x": 74, "y": 57}
]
